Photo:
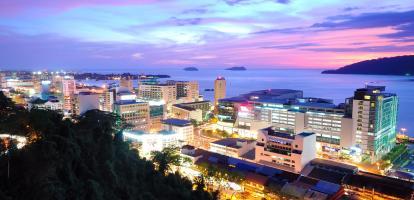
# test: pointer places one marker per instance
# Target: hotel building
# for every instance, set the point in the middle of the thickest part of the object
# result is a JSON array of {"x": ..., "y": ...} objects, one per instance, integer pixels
[
  {"x": 285, "y": 150},
  {"x": 374, "y": 114},
  {"x": 134, "y": 113}
]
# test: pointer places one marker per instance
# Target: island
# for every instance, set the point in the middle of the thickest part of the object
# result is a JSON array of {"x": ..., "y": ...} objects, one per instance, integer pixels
[
  {"x": 191, "y": 69},
  {"x": 237, "y": 68},
  {"x": 399, "y": 65}
]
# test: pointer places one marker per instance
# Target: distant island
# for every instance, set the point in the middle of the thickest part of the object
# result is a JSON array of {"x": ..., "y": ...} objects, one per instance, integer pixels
[
  {"x": 192, "y": 69},
  {"x": 237, "y": 68},
  {"x": 399, "y": 65}
]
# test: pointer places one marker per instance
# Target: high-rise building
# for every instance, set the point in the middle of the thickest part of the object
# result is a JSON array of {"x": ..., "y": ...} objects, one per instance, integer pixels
[
  {"x": 68, "y": 92},
  {"x": 219, "y": 89},
  {"x": 126, "y": 84},
  {"x": 188, "y": 90},
  {"x": 164, "y": 92},
  {"x": 134, "y": 113},
  {"x": 374, "y": 114}
]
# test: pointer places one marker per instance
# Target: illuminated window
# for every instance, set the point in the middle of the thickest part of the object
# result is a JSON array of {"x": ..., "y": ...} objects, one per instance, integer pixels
[{"x": 367, "y": 97}]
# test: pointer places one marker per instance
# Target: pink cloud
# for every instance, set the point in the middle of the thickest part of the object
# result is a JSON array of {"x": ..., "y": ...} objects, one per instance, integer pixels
[{"x": 14, "y": 7}]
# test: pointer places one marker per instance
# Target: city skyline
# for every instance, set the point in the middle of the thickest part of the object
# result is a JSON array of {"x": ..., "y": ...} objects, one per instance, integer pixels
[{"x": 172, "y": 34}]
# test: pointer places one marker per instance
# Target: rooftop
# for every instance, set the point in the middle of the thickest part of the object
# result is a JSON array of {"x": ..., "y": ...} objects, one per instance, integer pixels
[
  {"x": 176, "y": 122},
  {"x": 231, "y": 142},
  {"x": 128, "y": 102},
  {"x": 328, "y": 164},
  {"x": 184, "y": 107},
  {"x": 381, "y": 184},
  {"x": 270, "y": 131},
  {"x": 270, "y": 96}
]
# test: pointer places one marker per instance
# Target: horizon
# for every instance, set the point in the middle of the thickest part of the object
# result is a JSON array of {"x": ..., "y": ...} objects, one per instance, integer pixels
[{"x": 257, "y": 34}]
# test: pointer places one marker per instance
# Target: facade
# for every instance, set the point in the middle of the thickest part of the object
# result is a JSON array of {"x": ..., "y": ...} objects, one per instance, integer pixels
[
  {"x": 164, "y": 92},
  {"x": 182, "y": 127},
  {"x": 188, "y": 90},
  {"x": 107, "y": 99},
  {"x": 374, "y": 114},
  {"x": 157, "y": 114},
  {"x": 219, "y": 89},
  {"x": 134, "y": 113},
  {"x": 232, "y": 147},
  {"x": 328, "y": 121},
  {"x": 285, "y": 150}
]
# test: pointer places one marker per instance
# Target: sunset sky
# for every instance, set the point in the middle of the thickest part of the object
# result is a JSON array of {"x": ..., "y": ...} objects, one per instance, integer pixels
[{"x": 103, "y": 34}]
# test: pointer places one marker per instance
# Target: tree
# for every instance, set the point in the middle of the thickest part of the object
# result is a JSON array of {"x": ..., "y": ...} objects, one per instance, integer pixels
[{"x": 166, "y": 158}]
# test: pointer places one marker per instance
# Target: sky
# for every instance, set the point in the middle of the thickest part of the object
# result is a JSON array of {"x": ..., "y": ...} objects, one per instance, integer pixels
[{"x": 107, "y": 34}]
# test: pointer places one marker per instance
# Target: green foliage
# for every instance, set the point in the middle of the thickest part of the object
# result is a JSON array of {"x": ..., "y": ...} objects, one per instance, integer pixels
[
  {"x": 166, "y": 158},
  {"x": 397, "y": 151},
  {"x": 80, "y": 159},
  {"x": 220, "y": 174}
]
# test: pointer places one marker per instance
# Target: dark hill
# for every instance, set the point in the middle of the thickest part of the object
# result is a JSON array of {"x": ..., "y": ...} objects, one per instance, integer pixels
[{"x": 399, "y": 65}]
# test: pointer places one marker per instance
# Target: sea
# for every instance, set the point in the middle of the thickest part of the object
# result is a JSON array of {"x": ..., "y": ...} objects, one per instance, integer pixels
[{"x": 313, "y": 84}]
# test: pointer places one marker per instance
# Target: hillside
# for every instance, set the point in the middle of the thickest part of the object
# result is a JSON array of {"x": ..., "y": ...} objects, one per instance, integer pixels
[{"x": 400, "y": 65}]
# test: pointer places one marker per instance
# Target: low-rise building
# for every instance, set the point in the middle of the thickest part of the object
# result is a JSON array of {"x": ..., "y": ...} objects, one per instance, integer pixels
[
  {"x": 148, "y": 142},
  {"x": 187, "y": 113},
  {"x": 233, "y": 147},
  {"x": 182, "y": 127},
  {"x": 50, "y": 104},
  {"x": 285, "y": 150}
]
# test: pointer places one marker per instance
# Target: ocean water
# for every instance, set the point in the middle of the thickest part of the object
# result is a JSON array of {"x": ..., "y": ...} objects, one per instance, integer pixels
[{"x": 311, "y": 82}]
